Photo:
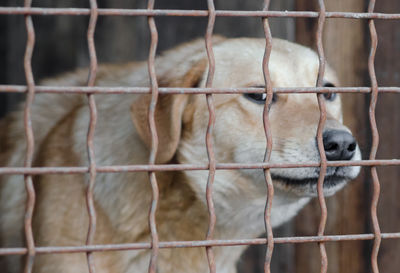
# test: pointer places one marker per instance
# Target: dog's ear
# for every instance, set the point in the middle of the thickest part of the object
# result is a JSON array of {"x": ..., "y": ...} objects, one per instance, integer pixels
[
  {"x": 183, "y": 66},
  {"x": 168, "y": 113}
]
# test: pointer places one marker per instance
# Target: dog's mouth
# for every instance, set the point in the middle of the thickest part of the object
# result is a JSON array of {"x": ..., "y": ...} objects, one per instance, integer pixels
[
  {"x": 329, "y": 181},
  {"x": 306, "y": 184}
]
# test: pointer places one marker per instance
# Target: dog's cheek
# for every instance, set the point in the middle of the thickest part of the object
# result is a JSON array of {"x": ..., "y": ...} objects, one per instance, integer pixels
[
  {"x": 239, "y": 134},
  {"x": 250, "y": 152}
]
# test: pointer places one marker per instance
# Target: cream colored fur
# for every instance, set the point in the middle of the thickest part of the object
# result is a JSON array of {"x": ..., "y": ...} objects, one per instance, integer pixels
[{"x": 122, "y": 200}]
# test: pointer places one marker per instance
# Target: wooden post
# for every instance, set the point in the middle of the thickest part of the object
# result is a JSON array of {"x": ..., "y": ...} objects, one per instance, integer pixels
[
  {"x": 387, "y": 66},
  {"x": 348, "y": 211}
]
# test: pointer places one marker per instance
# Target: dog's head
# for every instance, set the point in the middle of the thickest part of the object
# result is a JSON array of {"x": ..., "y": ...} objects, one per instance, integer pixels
[{"x": 238, "y": 136}]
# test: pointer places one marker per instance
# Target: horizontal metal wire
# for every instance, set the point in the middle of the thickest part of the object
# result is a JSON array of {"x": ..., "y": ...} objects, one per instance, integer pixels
[
  {"x": 197, "y": 90},
  {"x": 188, "y": 167},
  {"x": 202, "y": 243},
  {"x": 197, "y": 13}
]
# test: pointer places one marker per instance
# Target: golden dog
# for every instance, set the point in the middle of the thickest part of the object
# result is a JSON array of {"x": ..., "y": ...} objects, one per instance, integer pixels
[{"x": 122, "y": 137}]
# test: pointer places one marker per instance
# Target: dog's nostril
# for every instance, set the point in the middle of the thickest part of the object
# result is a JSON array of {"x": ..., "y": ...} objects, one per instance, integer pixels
[
  {"x": 352, "y": 147},
  {"x": 331, "y": 147},
  {"x": 339, "y": 145}
]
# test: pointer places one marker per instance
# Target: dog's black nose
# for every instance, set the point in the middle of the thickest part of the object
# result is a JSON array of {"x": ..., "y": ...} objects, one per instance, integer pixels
[{"x": 339, "y": 145}]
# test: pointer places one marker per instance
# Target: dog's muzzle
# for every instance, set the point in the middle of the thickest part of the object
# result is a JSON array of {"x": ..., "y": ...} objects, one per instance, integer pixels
[{"x": 339, "y": 145}]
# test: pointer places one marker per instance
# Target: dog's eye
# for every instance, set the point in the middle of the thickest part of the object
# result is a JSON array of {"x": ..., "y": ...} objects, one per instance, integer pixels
[
  {"x": 259, "y": 98},
  {"x": 329, "y": 96}
]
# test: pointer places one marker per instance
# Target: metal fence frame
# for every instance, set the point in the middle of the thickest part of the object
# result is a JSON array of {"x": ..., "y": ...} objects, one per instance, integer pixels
[{"x": 30, "y": 89}]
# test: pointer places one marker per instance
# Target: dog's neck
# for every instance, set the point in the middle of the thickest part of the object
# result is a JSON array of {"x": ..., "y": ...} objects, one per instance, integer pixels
[
  {"x": 239, "y": 213},
  {"x": 239, "y": 216}
]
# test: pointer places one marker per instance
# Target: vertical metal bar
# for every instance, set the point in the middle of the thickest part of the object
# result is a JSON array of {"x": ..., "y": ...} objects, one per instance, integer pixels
[
  {"x": 268, "y": 135},
  {"x": 90, "y": 134},
  {"x": 154, "y": 140},
  {"x": 321, "y": 124},
  {"x": 30, "y": 141},
  {"x": 210, "y": 127},
  {"x": 375, "y": 140}
]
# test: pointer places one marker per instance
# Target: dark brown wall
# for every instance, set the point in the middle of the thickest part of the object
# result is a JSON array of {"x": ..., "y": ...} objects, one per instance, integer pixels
[{"x": 388, "y": 112}]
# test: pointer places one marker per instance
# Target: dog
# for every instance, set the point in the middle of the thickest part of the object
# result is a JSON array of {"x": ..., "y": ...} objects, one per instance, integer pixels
[{"x": 122, "y": 137}]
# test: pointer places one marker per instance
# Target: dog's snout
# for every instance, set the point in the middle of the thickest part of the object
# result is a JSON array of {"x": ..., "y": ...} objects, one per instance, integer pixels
[{"x": 339, "y": 145}]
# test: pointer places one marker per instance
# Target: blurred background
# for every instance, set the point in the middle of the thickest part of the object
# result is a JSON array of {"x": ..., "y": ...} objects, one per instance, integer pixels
[{"x": 61, "y": 46}]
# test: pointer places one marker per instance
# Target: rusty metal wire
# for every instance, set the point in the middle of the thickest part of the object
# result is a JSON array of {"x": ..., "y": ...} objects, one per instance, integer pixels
[
  {"x": 30, "y": 141},
  {"x": 268, "y": 135},
  {"x": 31, "y": 89},
  {"x": 209, "y": 143},
  {"x": 90, "y": 134},
  {"x": 200, "y": 13},
  {"x": 321, "y": 125},
  {"x": 189, "y": 167},
  {"x": 189, "y": 244},
  {"x": 154, "y": 140},
  {"x": 375, "y": 141},
  {"x": 188, "y": 90}
]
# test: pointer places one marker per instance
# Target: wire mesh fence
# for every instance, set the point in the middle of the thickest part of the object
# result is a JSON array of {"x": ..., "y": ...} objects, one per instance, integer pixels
[{"x": 30, "y": 89}]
